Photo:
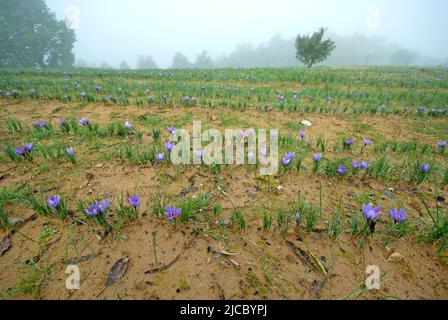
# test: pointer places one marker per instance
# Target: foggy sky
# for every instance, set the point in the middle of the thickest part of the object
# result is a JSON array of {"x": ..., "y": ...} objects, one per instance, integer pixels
[{"x": 117, "y": 30}]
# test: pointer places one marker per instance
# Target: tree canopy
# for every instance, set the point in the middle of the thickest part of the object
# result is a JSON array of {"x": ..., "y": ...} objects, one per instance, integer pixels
[
  {"x": 312, "y": 50},
  {"x": 146, "y": 62},
  {"x": 31, "y": 37},
  {"x": 180, "y": 61}
]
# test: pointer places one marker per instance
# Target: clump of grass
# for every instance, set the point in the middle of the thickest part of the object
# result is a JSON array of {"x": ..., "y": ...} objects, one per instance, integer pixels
[
  {"x": 238, "y": 217},
  {"x": 194, "y": 206},
  {"x": 267, "y": 221},
  {"x": 283, "y": 219},
  {"x": 13, "y": 125},
  {"x": 436, "y": 229}
]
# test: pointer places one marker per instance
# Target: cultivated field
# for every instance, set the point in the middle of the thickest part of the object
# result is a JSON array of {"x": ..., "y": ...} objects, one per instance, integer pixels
[{"x": 85, "y": 180}]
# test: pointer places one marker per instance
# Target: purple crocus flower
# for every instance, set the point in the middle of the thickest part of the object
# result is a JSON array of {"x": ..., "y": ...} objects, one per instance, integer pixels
[
  {"x": 128, "y": 125},
  {"x": 28, "y": 147},
  {"x": 364, "y": 164},
  {"x": 398, "y": 215},
  {"x": 83, "y": 94},
  {"x": 169, "y": 146},
  {"x": 349, "y": 141},
  {"x": 296, "y": 216},
  {"x": 341, "y": 169},
  {"x": 198, "y": 153},
  {"x": 40, "y": 124},
  {"x": 288, "y": 157},
  {"x": 54, "y": 200},
  {"x": 134, "y": 200},
  {"x": 84, "y": 121},
  {"x": 302, "y": 133},
  {"x": 370, "y": 212},
  {"x": 62, "y": 122},
  {"x": 172, "y": 212},
  {"x": 103, "y": 205},
  {"x": 251, "y": 131},
  {"x": 424, "y": 167},
  {"x": 367, "y": 141},
  {"x": 274, "y": 133},
  {"x": 171, "y": 129},
  {"x": 98, "y": 88},
  {"x": 71, "y": 151},
  {"x": 186, "y": 98},
  {"x": 160, "y": 156},
  {"x": 243, "y": 133},
  {"x": 264, "y": 152},
  {"x": 356, "y": 164},
  {"x": 442, "y": 144},
  {"x": 1, "y": 91},
  {"x": 93, "y": 209},
  {"x": 317, "y": 157},
  {"x": 20, "y": 151}
]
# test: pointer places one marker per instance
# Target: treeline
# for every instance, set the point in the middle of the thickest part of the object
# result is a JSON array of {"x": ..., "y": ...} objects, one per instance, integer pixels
[{"x": 357, "y": 49}]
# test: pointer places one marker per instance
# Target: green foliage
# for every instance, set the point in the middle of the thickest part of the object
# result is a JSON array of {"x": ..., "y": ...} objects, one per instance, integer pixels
[
  {"x": 31, "y": 36},
  {"x": 312, "y": 50}
]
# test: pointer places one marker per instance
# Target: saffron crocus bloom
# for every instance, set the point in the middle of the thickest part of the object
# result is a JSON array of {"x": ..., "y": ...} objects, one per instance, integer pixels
[
  {"x": 71, "y": 151},
  {"x": 93, "y": 209},
  {"x": 160, "y": 156},
  {"x": 251, "y": 131},
  {"x": 134, "y": 200},
  {"x": 274, "y": 133},
  {"x": 103, "y": 205},
  {"x": 169, "y": 146},
  {"x": 398, "y": 215},
  {"x": 171, "y": 129},
  {"x": 370, "y": 212},
  {"x": 424, "y": 167},
  {"x": 349, "y": 141},
  {"x": 41, "y": 124},
  {"x": 341, "y": 169},
  {"x": 28, "y": 147},
  {"x": 198, "y": 153},
  {"x": 367, "y": 142},
  {"x": 317, "y": 157},
  {"x": 62, "y": 122},
  {"x": 8, "y": 94},
  {"x": 302, "y": 133},
  {"x": 128, "y": 125},
  {"x": 296, "y": 216},
  {"x": 54, "y": 200},
  {"x": 442, "y": 144},
  {"x": 20, "y": 151},
  {"x": 172, "y": 212},
  {"x": 186, "y": 98},
  {"x": 84, "y": 121},
  {"x": 288, "y": 157},
  {"x": 264, "y": 152},
  {"x": 356, "y": 164},
  {"x": 364, "y": 164}
]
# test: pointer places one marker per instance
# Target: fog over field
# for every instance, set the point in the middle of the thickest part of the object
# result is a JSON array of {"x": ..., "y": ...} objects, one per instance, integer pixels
[{"x": 234, "y": 32}]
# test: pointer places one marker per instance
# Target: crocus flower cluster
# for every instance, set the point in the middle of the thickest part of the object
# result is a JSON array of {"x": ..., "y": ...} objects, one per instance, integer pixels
[
  {"x": 288, "y": 157},
  {"x": 172, "y": 212},
  {"x": 25, "y": 149},
  {"x": 442, "y": 144},
  {"x": 367, "y": 142},
  {"x": 348, "y": 142},
  {"x": 360, "y": 165},
  {"x": 71, "y": 151},
  {"x": 40, "y": 124},
  {"x": 97, "y": 207}
]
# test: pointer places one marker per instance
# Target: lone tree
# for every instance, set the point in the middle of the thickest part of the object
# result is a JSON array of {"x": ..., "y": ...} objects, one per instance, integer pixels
[
  {"x": 311, "y": 50},
  {"x": 31, "y": 37}
]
